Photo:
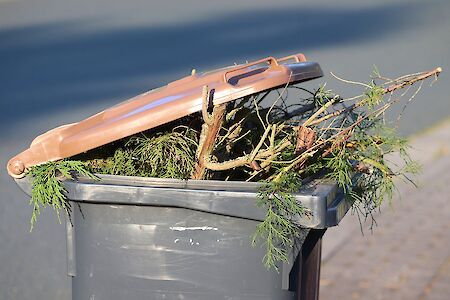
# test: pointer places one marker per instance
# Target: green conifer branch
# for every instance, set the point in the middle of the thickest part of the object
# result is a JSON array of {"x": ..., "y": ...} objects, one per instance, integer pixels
[{"x": 47, "y": 188}]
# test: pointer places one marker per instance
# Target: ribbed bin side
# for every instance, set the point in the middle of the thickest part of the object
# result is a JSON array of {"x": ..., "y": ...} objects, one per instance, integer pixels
[{"x": 150, "y": 252}]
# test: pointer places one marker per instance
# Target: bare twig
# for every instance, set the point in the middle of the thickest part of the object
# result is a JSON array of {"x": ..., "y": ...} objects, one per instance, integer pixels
[
  {"x": 210, "y": 130},
  {"x": 407, "y": 82}
]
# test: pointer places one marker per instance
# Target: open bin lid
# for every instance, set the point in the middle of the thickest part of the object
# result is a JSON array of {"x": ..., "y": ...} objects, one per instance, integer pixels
[{"x": 160, "y": 106}]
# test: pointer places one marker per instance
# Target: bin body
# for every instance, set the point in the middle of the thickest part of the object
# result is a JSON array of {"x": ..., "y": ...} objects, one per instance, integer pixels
[{"x": 148, "y": 252}]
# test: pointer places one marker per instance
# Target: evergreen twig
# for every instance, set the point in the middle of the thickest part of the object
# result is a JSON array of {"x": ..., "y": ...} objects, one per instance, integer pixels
[{"x": 47, "y": 188}]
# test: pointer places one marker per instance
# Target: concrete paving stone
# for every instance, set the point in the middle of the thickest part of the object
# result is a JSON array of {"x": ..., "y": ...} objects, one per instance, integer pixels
[
  {"x": 437, "y": 288},
  {"x": 408, "y": 255}
]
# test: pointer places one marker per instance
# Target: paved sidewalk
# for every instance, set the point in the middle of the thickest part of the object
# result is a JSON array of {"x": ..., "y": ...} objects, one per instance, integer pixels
[{"x": 408, "y": 254}]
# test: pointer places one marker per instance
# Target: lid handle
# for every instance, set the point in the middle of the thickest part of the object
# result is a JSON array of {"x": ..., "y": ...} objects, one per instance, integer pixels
[
  {"x": 299, "y": 57},
  {"x": 271, "y": 60}
]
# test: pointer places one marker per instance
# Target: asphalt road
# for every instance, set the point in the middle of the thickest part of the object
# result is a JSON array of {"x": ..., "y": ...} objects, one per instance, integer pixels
[{"x": 61, "y": 61}]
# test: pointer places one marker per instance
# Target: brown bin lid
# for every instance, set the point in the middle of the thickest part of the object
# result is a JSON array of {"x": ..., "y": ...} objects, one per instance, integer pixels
[{"x": 156, "y": 107}]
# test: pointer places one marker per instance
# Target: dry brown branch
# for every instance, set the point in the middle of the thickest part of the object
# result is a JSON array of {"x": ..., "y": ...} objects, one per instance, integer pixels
[
  {"x": 207, "y": 118},
  {"x": 321, "y": 110},
  {"x": 406, "y": 81},
  {"x": 300, "y": 159},
  {"x": 414, "y": 79},
  {"x": 210, "y": 131},
  {"x": 246, "y": 159},
  {"x": 305, "y": 139}
]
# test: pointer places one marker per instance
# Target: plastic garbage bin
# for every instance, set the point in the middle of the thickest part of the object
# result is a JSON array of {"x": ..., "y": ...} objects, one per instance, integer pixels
[{"x": 146, "y": 238}]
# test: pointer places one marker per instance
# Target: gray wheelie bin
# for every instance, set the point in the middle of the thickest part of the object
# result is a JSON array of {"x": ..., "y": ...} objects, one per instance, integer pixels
[{"x": 145, "y": 238}]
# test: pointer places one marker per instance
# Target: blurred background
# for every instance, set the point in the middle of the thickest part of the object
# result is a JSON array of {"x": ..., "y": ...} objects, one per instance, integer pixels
[{"x": 62, "y": 61}]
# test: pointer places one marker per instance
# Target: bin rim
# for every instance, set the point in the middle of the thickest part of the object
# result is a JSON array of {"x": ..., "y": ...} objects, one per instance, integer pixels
[{"x": 230, "y": 198}]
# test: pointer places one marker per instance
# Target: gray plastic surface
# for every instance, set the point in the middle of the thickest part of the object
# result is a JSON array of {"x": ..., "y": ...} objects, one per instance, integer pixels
[{"x": 146, "y": 238}]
